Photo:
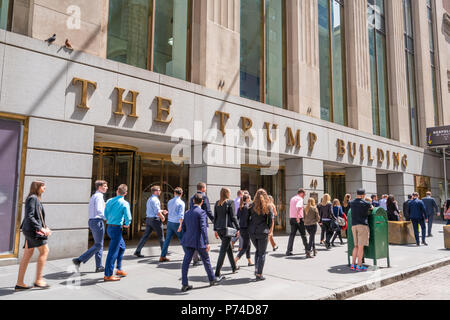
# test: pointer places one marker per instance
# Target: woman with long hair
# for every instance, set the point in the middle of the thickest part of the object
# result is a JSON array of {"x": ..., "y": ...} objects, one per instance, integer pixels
[
  {"x": 337, "y": 212},
  {"x": 346, "y": 203},
  {"x": 274, "y": 210},
  {"x": 224, "y": 217},
  {"x": 392, "y": 209},
  {"x": 260, "y": 223},
  {"x": 36, "y": 233},
  {"x": 312, "y": 217},
  {"x": 326, "y": 217},
  {"x": 242, "y": 215}
]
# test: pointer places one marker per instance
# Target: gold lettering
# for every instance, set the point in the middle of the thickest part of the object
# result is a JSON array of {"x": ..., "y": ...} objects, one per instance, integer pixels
[
  {"x": 84, "y": 89},
  {"x": 380, "y": 154},
  {"x": 247, "y": 124},
  {"x": 222, "y": 115},
  {"x": 369, "y": 152},
  {"x": 121, "y": 101},
  {"x": 341, "y": 147},
  {"x": 396, "y": 159},
  {"x": 405, "y": 161},
  {"x": 161, "y": 109},
  {"x": 293, "y": 141},
  {"x": 312, "y": 141},
  {"x": 352, "y": 149},
  {"x": 267, "y": 126},
  {"x": 361, "y": 151},
  {"x": 388, "y": 158}
]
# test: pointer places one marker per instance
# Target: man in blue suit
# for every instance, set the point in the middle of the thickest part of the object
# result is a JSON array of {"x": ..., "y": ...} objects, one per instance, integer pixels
[
  {"x": 431, "y": 207},
  {"x": 195, "y": 238},
  {"x": 418, "y": 215}
]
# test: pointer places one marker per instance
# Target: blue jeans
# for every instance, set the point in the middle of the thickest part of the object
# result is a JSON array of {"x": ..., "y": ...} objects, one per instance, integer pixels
[
  {"x": 423, "y": 228},
  {"x": 152, "y": 224},
  {"x": 172, "y": 228},
  {"x": 97, "y": 227},
  {"x": 116, "y": 250}
]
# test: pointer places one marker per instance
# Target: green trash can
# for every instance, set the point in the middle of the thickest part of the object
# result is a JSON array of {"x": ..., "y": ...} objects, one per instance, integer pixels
[{"x": 379, "y": 238}]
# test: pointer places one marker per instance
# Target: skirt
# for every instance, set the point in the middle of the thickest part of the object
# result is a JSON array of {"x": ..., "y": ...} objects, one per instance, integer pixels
[{"x": 33, "y": 241}]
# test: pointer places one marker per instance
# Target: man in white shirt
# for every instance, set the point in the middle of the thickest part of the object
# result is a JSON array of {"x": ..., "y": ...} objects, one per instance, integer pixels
[
  {"x": 383, "y": 202},
  {"x": 97, "y": 226}
]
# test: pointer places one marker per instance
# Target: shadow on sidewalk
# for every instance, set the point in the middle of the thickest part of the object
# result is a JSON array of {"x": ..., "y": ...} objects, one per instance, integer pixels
[
  {"x": 7, "y": 291},
  {"x": 342, "y": 269},
  {"x": 62, "y": 275},
  {"x": 165, "y": 291},
  {"x": 82, "y": 282},
  {"x": 170, "y": 266}
]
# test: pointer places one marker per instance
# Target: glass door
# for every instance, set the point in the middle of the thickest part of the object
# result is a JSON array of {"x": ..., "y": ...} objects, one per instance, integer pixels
[{"x": 335, "y": 185}]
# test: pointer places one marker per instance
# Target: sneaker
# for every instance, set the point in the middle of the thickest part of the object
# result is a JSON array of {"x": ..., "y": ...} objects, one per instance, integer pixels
[
  {"x": 216, "y": 281},
  {"x": 186, "y": 288},
  {"x": 76, "y": 262},
  {"x": 275, "y": 249},
  {"x": 361, "y": 269},
  {"x": 353, "y": 267},
  {"x": 260, "y": 278}
]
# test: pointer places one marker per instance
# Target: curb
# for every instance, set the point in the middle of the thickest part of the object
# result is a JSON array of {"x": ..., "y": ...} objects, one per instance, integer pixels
[{"x": 370, "y": 285}]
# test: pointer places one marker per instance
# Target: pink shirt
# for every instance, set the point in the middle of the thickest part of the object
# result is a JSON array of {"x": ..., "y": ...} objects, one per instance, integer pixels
[{"x": 296, "y": 207}]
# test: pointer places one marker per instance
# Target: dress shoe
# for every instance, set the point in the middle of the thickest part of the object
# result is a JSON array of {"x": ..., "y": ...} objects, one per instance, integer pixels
[
  {"x": 217, "y": 280},
  {"x": 424, "y": 243},
  {"x": 20, "y": 288},
  {"x": 121, "y": 273},
  {"x": 100, "y": 269},
  {"x": 164, "y": 259},
  {"x": 315, "y": 252},
  {"x": 76, "y": 262},
  {"x": 236, "y": 270},
  {"x": 418, "y": 244},
  {"x": 111, "y": 278},
  {"x": 195, "y": 263},
  {"x": 46, "y": 286},
  {"x": 138, "y": 255},
  {"x": 308, "y": 255},
  {"x": 288, "y": 254},
  {"x": 260, "y": 278},
  {"x": 186, "y": 288}
]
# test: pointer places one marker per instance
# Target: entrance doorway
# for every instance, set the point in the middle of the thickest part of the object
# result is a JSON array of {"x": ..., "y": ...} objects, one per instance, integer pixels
[
  {"x": 252, "y": 180},
  {"x": 334, "y": 183}
]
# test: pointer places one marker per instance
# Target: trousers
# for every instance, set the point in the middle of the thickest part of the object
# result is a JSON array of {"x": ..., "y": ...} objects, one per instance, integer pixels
[
  {"x": 416, "y": 223},
  {"x": 151, "y": 224},
  {"x": 97, "y": 227},
  {"x": 225, "y": 249},
  {"x": 116, "y": 250},
  {"x": 188, "y": 254},
  {"x": 260, "y": 244},
  {"x": 300, "y": 227},
  {"x": 312, "y": 234},
  {"x": 172, "y": 228},
  {"x": 245, "y": 243}
]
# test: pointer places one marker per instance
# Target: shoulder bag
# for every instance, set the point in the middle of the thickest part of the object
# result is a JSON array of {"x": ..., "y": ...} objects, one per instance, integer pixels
[
  {"x": 39, "y": 234},
  {"x": 230, "y": 232}
]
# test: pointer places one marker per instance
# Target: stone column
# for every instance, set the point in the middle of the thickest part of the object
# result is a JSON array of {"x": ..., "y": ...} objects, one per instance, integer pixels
[
  {"x": 398, "y": 93},
  {"x": 424, "y": 87},
  {"x": 358, "y": 66},
  {"x": 401, "y": 185},
  {"x": 303, "y": 173},
  {"x": 217, "y": 168},
  {"x": 216, "y": 44},
  {"x": 360, "y": 177},
  {"x": 303, "y": 73}
]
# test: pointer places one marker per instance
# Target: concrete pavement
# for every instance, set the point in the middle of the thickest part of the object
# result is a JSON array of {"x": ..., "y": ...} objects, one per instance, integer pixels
[{"x": 327, "y": 276}]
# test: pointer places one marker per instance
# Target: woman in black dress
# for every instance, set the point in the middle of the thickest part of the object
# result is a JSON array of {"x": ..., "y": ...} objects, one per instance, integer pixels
[
  {"x": 36, "y": 232},
  {"x": 392, "y": 209},
  {"x": 224, "y": 217},
  {"x": 260, "y": 223}
]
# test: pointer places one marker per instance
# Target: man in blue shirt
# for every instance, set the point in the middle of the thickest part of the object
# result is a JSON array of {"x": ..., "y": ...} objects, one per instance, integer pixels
[
  {"x": 432, "y": 208},
  {"x": 418, "y": 216},
  {"x": 154, "y": 220},
  {"x": 175, "y": 219},
  {"x": 117, "y": 214},
  {"x": 375, "y": 203}
]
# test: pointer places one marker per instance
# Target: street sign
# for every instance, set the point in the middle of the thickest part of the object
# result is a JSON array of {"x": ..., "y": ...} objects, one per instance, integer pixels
[{"x": 438, "y": 136}]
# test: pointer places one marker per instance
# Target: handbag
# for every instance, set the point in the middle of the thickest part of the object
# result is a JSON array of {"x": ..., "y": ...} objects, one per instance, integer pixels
[
  {"x": 229, "y": 232},
  {"x": 37, "y": 234},
  {"x": 341, "y": 221}
]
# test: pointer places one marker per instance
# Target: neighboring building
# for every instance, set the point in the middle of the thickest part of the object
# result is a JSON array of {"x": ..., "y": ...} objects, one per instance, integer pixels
[{"x": 340, "y": 93}]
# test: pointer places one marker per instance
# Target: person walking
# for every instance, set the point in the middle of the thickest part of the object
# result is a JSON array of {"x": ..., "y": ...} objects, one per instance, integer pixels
[
  {"x": 242, "y": 216},
  {"x": 275, "y": 213},
  {"x": 392, "y": 209},
  {"x": 224, "y": 218},
  {"x": 195, "y": 239},
  {"x": 260, "y": 223},
  {"x": 338, "y": 213},
  {"x": 118, "y": 215},
  {"x": 406, "y": 208},
  {"x": 326, "y": 217},
  {"x": 297, "y": 222},
  {"x": 312, "y": 218},
  {"x": 432, "y": 208},
  {"x": 97, "y": 227},
  {"x": 237, "y": 204},
  {"x": 383, "y": 201},
  {"x": 174, "y": 221},
  {"x": 36, "y": 234},
  {"x": 360, "y": 228},
  {"x": 154, "y": 220},
  {"x": 201, "y": 189},
  {"x": 447, "y": 211},
  {"x": 418, "y": 215}
]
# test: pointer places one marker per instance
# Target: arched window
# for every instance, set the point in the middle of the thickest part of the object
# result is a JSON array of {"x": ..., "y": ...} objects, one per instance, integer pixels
[{"x": 151, "y": 34}]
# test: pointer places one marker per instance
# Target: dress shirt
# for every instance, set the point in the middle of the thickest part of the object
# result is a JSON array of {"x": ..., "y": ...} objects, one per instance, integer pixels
[
  {"x": 176, "y": 210},
  {"x": 97, "y": 206},
  {"x": 117, "y": 211},
  {"x": 383, "y": 204},
  {"x": 294, "y": 211},
  {"x": 153, "y": 207},
  {"x": 237, "y": 204}
]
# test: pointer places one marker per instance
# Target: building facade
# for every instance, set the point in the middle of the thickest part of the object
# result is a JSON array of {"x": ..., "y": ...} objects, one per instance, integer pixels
[{"x": 328, "y": 95}]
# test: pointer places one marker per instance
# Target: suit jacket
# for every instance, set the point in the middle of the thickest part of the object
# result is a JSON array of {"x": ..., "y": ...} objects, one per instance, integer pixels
[
  {"x": 259, "y": 225},
  {"x": 417, "y": 210},
  {"x": 430, "y": 206},
  {"x": 406, "y": 209},
  {"x": 205, "y": 206},
  {"x": 225, "y": 216},
  {"x": 195, "y": 228},
  {"x": 32, "y": 220}
]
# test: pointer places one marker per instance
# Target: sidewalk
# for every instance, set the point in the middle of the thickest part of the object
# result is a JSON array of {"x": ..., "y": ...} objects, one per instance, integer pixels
[{"x": 327, "y": 276}]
